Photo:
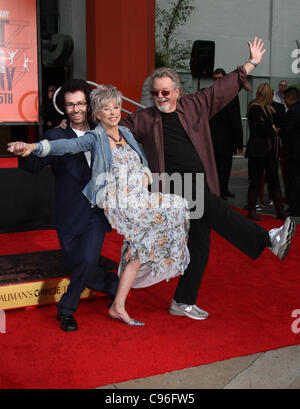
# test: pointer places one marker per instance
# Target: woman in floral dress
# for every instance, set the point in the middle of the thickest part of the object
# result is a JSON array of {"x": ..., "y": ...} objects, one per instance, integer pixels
[{"x": 154, "y": 225}]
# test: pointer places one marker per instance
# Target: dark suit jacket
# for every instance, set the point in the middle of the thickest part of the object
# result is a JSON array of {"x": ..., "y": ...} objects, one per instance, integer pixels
[
  {"x": 261, "y": 132},
  {"x": 71, "y": 208},
  {"x": 279, "y": 115},
  {"x": 226, "y": 129},
  {"x": 290, "y": 132}
]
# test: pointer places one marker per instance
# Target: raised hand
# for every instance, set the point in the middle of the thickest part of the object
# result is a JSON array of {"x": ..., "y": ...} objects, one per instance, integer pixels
[
  {"x": 256, "y": 49},
  {"x": 21, "y": 148},
  {"x": 63, "y": 124}
]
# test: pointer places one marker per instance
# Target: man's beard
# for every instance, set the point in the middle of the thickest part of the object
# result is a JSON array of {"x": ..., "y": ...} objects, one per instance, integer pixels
[{"x": 164, "y": 108}]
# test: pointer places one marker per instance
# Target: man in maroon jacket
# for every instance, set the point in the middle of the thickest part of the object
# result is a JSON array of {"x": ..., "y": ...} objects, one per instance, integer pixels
[{"x": 175, "y": 135}]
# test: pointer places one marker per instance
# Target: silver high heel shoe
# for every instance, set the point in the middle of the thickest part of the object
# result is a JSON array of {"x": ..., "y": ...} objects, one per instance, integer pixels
[{"x": 133, "y": 323}]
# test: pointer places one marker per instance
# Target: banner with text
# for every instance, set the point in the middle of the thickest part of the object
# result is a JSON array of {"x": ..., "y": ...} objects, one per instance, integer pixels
[
  {"x": 18, "y": 61},
  {"x": 34, "y": 293}
]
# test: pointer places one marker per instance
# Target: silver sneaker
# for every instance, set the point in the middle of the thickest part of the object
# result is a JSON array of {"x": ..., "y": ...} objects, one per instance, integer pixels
[
  {"x": 281, "y": 238},
  {"x": 191, "y": 311}
]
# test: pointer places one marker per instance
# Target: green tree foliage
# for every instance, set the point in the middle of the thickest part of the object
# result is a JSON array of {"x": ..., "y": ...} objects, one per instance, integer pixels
[{"x": 169, "y": 51}]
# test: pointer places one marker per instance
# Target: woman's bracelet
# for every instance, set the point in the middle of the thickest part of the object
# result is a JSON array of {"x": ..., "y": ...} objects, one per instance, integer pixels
[{"x": 38, "y": 150}]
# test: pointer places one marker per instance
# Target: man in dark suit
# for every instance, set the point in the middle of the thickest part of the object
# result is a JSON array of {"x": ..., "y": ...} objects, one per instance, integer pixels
[
  {"x": 80, "y": 227},
  {"x": 290, "y": 135},
  {"x": 227, "y": 137}
]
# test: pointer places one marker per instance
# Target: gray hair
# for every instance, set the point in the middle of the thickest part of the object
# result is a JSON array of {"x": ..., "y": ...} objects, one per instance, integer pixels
[
  {"x": 165, "y": 72},
  {"x": 103, "y": 95}
]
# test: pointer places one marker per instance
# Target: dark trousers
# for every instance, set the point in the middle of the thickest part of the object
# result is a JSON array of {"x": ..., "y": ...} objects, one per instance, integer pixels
[
  {"x": 292, "y": 183},
  {"x": 245, "y": 235},
  {"x": 224, "y": 165},
  {"x": 257, "y": 167},
  {"x": 82, "y": 254}
]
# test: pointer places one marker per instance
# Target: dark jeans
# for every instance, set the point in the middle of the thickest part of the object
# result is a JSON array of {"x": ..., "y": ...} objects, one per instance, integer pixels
[
  {"x": 224, "y": 165},
  {"x": 82, "y": 253},
  {"x": 257, "y": 167},
  {"x": 242, "y": 233},
  {"x": 292, "y": 183}
]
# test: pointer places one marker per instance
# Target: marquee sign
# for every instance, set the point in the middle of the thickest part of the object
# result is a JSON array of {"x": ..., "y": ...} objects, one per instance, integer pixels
[
  {"x": 19, "y": 100},
  {"x": 18, "y": 295}
]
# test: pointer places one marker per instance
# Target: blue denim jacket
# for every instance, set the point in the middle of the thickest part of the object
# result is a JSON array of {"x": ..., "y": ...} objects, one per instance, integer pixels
[{"x": 97, "y": 143}]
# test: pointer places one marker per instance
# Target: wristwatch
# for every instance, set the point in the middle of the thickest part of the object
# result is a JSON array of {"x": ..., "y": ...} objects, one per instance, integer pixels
[{"x": 253, "y": 62}]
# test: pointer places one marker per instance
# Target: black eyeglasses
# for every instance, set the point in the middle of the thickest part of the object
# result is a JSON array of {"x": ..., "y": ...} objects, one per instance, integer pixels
[
  {"x": 80, "y": 105},
  {"x": 164, "y": 93}
]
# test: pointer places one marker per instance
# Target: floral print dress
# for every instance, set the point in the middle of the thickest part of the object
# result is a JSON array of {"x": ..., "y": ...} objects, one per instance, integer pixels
[{"x": 155, "y": 224}]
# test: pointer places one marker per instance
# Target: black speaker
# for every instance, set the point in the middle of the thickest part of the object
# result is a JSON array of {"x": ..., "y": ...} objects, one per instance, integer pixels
[{"x": 202, "y": 59}]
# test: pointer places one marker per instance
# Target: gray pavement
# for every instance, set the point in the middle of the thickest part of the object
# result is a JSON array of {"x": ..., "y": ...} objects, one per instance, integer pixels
[{"x": 277, "y": 369}]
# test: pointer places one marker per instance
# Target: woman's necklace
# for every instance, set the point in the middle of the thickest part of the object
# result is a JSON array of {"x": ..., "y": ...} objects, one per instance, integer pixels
[{"x": 117, "y": 142}]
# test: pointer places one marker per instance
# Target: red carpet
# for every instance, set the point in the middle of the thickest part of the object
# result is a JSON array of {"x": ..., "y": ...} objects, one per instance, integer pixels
[
  {"x": 250, "y": 303},
  {"x": 11, "y": 162}
]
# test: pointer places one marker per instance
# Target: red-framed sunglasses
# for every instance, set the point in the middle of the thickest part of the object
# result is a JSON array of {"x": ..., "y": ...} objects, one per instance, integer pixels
[{"x": 164, "y": 93}]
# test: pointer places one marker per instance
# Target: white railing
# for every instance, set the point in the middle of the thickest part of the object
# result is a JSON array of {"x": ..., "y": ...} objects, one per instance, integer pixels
[
  {"x": 132, "y": 102},
  {"x": 96, "y": 85}
]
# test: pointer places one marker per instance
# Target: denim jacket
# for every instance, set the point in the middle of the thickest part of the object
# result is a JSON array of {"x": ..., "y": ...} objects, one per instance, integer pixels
[{"x": 97, "y": 143}]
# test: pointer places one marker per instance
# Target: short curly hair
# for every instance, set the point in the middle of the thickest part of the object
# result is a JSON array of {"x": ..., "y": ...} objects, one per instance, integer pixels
[
  {"x": 164, "y": 72},
  {"x": 101, "y": 96},
  {"x": 73, "y": 85}
]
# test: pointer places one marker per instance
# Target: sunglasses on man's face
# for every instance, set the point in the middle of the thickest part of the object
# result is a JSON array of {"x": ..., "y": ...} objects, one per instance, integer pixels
[{"x": 164, "y": 93}]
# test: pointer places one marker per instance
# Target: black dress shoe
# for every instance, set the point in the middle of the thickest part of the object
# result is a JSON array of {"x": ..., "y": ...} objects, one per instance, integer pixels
[{"x": 67, "y": 322}]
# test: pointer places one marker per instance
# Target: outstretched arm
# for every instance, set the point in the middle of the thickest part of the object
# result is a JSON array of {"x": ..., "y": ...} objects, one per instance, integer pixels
[
  {"x": 256, "y": 52},
  {"x": 58, "y": 147},
  {"x": 224, "y": 90},
  {"x": 21, "y": 148}
]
